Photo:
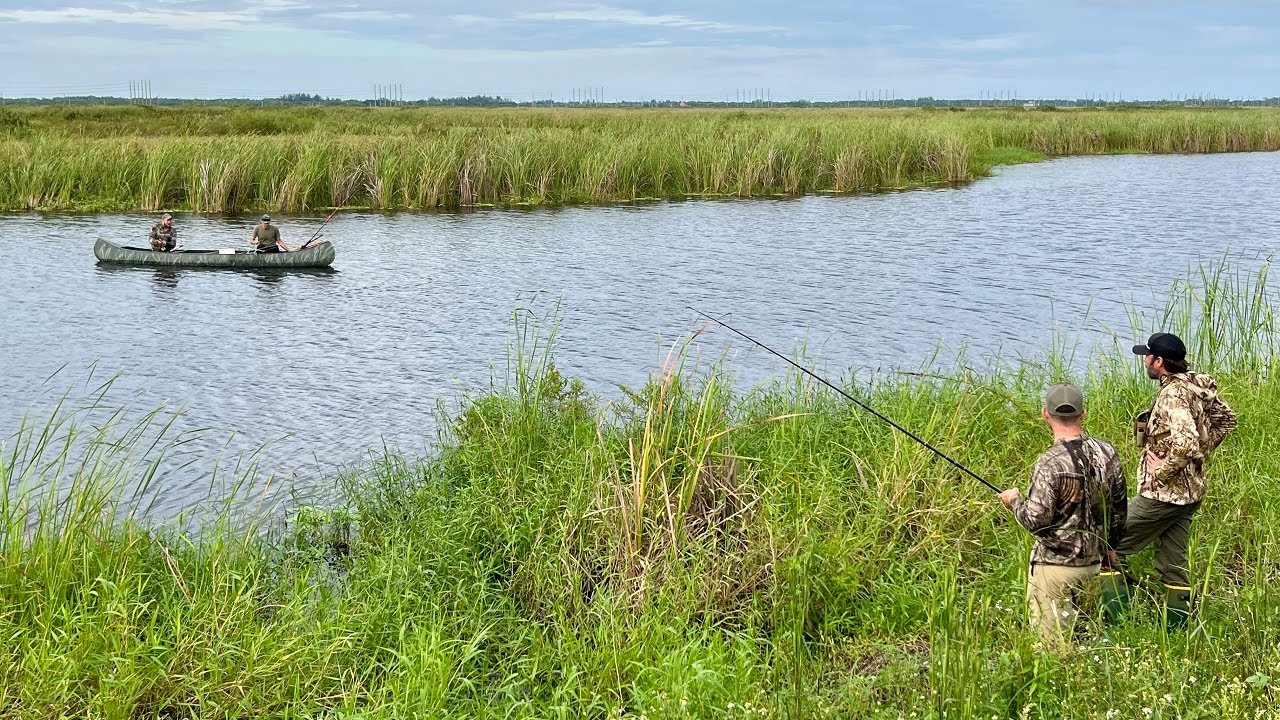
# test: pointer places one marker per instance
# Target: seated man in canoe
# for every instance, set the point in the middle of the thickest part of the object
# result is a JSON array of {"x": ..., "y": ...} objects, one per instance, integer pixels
[
  {"x": 164, "y": 236},
  {"x": 266, "y": 237}
]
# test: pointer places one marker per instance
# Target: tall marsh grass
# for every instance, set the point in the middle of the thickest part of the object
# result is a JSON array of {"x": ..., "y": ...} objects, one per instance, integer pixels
[
  {"x": 684, "y": 551},
  {"x": 222, "y": 159}
]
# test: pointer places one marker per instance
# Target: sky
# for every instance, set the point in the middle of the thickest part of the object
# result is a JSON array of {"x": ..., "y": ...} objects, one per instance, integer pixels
[{"x": 628, "y": 50}]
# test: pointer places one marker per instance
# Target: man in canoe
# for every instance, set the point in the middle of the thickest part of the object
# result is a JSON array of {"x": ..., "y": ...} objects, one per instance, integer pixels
[
  {"x": 266, "y": 237},
  {"x": 164, "y": 236},
  {"x": 1075, "y": 508}
]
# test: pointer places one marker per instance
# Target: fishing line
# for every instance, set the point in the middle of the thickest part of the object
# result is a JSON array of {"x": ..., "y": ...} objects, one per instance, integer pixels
[{"x": 852, "y": 399}]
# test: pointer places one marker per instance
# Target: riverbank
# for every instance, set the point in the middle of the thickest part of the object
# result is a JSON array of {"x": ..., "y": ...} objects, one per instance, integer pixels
[
  {"x": 686, "y": 552},
  {"x": 215, "y": 160}
]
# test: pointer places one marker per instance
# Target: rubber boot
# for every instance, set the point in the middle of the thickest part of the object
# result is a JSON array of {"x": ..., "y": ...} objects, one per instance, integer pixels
[
  {"x": 1115, "y": 595},
  {"x": 1177, "y": 606}
]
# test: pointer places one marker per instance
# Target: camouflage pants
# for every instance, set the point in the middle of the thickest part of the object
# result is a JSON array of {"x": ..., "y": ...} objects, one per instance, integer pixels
[
  {"x": 1051, "y": 598},
  {"x": 1168, "y": 527}
]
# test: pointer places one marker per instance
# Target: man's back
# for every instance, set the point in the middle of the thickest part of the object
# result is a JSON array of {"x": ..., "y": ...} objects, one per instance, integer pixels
[{"x": 1077, "y": 502}]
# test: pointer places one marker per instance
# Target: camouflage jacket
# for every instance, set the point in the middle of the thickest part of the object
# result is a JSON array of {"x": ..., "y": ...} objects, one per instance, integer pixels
[
  {"x": 163, "y": 238},
  {"x": 1187, "y": 421},
  {"x": 1077, "y": 502}
]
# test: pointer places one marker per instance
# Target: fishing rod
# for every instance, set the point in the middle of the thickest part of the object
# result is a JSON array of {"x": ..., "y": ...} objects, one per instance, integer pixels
[
  {"x": 1122, "y": 569},
  {"x": 319, "y": 230},
  {"x": 852, "y": 399}
]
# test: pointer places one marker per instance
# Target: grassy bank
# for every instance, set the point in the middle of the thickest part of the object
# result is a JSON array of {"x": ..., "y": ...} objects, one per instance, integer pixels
[
  {"x": 685, "y": 552},
  {"x": 224, "y": 160}
]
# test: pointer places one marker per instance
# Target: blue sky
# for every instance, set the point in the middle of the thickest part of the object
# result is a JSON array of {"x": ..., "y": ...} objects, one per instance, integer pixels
[{"x": 695, "y": 50}]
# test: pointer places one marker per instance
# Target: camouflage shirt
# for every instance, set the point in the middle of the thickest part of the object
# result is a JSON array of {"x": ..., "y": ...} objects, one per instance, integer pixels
[
  {"x": 1187, "y": 421},
  {"x": 1076, "y": 504},
  {"x": 163, "y": 238}
]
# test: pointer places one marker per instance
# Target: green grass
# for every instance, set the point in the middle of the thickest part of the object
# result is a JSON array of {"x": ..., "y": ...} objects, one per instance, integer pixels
[
  {"x": 687, "y": 551},
  {"x": 992, "y": 157},
  {"x": 207, "y": 159}
]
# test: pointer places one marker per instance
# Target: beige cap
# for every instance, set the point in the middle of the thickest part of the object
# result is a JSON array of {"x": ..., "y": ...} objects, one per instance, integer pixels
[{"x": 1064, "y": 401}]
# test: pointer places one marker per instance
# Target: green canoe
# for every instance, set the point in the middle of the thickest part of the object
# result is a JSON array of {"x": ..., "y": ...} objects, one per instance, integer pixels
[{"x": 320, "y": 254}]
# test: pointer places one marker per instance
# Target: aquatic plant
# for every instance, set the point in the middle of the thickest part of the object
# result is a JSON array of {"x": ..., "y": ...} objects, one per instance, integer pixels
[{"x": 229, "y": 159}]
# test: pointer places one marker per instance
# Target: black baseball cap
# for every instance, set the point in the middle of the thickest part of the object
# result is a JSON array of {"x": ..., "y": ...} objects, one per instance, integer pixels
[{"x": 1163, "y": 345}]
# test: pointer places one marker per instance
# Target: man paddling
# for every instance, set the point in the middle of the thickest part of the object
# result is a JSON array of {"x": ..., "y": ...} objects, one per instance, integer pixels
[
  {"x": 1186, "y": 422},
  {"x": 266, "y": 237},
  {"x": 164, "y": 236},
  {"x": 1075, "y": 507}
]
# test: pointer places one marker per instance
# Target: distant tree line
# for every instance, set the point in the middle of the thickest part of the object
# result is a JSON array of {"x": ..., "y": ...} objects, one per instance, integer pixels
[{"x": 306, "y": 99}]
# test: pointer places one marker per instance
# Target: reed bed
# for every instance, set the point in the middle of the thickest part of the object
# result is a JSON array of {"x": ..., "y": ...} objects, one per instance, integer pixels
[
  {"x": 686, "y": 552},
  {"x": 293, "y": 160}
]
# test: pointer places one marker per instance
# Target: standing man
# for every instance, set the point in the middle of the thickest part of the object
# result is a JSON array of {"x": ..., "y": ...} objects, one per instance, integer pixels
[
  {"x": 164, "y": 236},
  {"x": 1075, "y": 507},
  {"x": 266, "y": 237},
  {"x": 1187, "y": 420}
]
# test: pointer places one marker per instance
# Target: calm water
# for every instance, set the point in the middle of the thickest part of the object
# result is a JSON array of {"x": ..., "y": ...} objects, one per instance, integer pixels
[{"x": 328, "y": 366}]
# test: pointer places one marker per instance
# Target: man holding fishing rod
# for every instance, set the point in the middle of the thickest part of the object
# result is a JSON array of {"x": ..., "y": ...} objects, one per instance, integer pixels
[
  {"x": 1186, "y": 422},
  {"x": 1075, "y": 507},
  {"x": 266, "y": 237}
]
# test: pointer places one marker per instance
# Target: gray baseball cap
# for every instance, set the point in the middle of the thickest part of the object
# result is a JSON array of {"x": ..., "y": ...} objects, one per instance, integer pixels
[
  {"x": 1064, "y": 401},
  {"x": 266, "y": 217},
  {"x": 166, "y": 216}
]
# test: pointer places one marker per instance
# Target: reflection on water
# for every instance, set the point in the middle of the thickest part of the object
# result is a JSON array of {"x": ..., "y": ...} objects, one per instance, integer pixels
[
  {"x": 327, "y": 365},
  {"x": 165, "y": 278}
]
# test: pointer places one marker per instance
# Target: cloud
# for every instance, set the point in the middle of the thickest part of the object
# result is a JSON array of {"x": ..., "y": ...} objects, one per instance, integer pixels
[
  {"x": 370, "y": 15},
  {"x": 1232, "y": 35},
  {"x": 991, "y": 43},
  {"x": 283, "y": 5},
  {"x": 166, "y": 14},
  {"x": 468, "y": 20},
  {"x": 604, "y": 15},
  {"x": 172, "y": 19}
]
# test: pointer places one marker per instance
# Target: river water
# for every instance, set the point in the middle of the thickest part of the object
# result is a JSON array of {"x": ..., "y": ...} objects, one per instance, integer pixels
[{"x": 326, "y": 368}]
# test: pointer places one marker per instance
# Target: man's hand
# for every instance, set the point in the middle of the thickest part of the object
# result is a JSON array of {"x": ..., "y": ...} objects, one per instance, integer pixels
[
  {"x": 1109, "y": 560},
  {"x": 1010, "y": 497},
  {"x": 1153, "y": 462}
]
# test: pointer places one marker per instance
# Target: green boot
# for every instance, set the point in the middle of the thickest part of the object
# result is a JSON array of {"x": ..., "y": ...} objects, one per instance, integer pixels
[
  {"x": 1177, "y": 606},
  {"x": 1115, "y": 595}
]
